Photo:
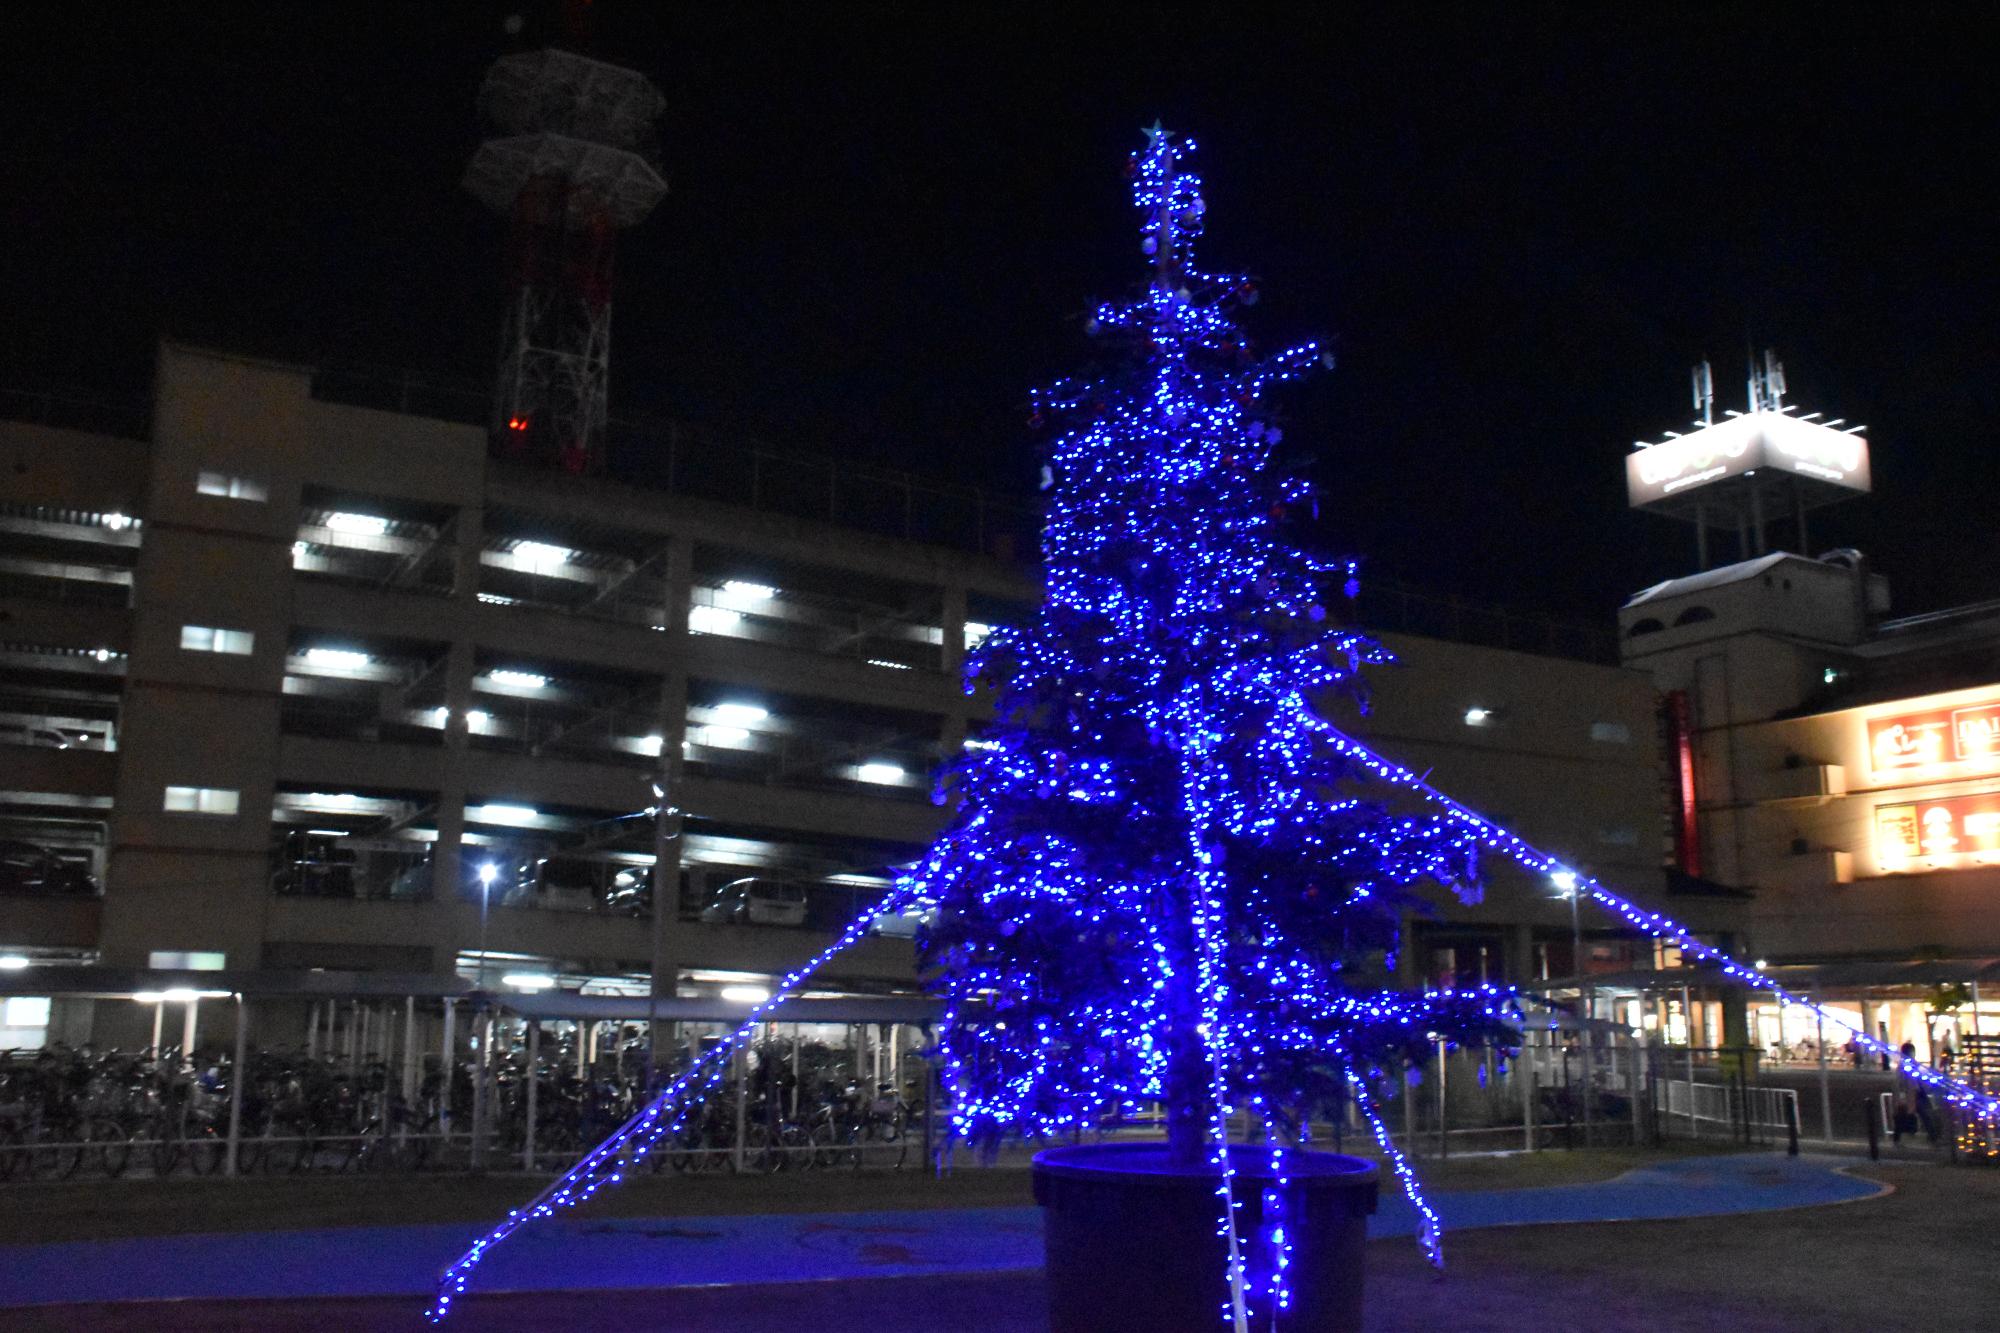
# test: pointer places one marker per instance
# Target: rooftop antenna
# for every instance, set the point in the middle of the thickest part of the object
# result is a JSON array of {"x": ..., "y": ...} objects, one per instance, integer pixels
[
  {"x": 1774, "y": 381},
  {"x": 1704, "y": 392},
  {"x": 1767, "y": 383}
]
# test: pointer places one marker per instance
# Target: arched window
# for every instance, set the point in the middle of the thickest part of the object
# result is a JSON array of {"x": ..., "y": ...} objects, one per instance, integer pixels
[
  {"x": 1694, "y": 615},
  {"x": 1646, "y": 626}
]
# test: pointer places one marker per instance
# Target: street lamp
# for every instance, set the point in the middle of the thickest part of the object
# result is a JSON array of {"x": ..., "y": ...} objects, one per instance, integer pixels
[
  {"x": 1566, "y": 885},
  {"x": 487, "y": 874}
]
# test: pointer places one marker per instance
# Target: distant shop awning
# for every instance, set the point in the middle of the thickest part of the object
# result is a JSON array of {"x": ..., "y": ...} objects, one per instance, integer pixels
[
  {"x": 566, "y": 1006},
  {"x": 114, "y": 983},
  {"x": 1801, "y": 978}
]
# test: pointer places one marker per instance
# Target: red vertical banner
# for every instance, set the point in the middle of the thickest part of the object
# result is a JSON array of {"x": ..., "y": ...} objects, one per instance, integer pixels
[{"x": 1680, "y": 740}]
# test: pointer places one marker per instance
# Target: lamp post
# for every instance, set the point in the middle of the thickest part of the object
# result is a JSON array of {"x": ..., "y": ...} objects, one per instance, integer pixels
[
  {"x": 487, "y": 872},
  {"x": 1565, "y": 882}
]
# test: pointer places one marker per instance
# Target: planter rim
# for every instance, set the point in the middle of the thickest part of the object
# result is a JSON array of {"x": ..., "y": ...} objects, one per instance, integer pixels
[{"x": 1144, "y": 1164}]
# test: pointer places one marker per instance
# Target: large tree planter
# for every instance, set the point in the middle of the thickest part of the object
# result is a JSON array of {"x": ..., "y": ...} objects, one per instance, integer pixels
[{"x": 1131, "y": 1240}]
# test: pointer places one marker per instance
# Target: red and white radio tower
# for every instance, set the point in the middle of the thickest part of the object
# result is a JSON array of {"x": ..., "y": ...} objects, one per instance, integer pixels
[{"x": 569, "y": 165}]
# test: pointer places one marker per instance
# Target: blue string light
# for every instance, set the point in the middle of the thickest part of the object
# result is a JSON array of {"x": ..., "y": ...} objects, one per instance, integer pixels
[
  {"x": 1655, "y": 924},
  {"x": 1168, "y": 873},
  {"x": 635, "y": 1140},
  {"x": 1161, "y": 885}
]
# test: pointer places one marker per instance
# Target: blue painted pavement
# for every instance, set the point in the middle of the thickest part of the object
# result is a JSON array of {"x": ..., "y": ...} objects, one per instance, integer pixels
[{"x": 582, "y": 1254}]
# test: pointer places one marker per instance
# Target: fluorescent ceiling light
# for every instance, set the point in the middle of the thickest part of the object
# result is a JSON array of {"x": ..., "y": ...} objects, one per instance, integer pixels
[
  {"x": 476, "y": 718},
  {"x": 345, "y": 659},
  {"x": 1478, "y": 717},
  {"x": 541, "y": 555},
  {"x": 885, "y": 662},
  {"x": 975, "y": 631},
  {"x": 12, "y": 962},
  {"x": 885, "y": 773},
  {"x": 118, "y": 522},
  {"x": 327, "y": 832},
  {"x": 745, "y": 994},
  {"x": 528, "y": 980},
  {"x": 361, "y": 525},
  {"x": 729, "y": 736},
  {"x": 741, "y": 714},
  {"x": 526, "y": 680},
  {"x": 749, "y": 592},
  {"x": 713, "y": 620},
  {"x": 502, "y": 814}
]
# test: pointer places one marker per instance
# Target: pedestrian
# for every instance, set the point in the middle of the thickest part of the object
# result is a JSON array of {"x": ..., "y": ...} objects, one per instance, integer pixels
[
  {"x": 1853, "y": 1049},
  {"x": 1925, "y": 1116},
  {"x": 1946, "y": 1055},
  {"x": 1909, "y": 1054},
  {"x": 1903, "y": 1122}
]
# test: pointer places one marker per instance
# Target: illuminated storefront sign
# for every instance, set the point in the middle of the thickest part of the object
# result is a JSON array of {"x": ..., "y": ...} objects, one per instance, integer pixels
[
  {"x": 1938, "y": 835},
  {"x": 1969, "y": 736},
  {"x": 1743, "y": 444}
]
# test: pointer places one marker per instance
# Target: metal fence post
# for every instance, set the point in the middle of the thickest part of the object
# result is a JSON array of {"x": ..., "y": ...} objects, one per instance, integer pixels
[
  {"x": 528, "y": 1134},
  {"x": 1529, "y": 1092},
  {"x": 236, "y": 1076},
  {"x": 742, "y": 1063}
]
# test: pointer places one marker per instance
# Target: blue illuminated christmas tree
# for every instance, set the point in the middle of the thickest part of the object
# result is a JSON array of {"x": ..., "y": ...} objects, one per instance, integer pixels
[
  {"x": 1170, "y": 879},
  {"x": 1167, "y": 881}
]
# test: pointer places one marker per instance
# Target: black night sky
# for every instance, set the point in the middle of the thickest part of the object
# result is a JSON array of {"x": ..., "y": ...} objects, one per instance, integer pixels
[{"x": 1518, "y": 226}]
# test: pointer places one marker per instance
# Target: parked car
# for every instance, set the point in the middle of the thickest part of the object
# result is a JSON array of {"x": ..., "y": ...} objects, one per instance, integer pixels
[
  {"x": 753, "y": 901},
  {"x": 28, "y": 868}
]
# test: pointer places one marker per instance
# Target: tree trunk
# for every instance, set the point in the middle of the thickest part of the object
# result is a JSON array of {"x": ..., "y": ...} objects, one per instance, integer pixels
[{"x": 1189, "y": 1108}]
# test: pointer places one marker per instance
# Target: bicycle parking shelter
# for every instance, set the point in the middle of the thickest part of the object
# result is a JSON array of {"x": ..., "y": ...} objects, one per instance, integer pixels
[{"x": 370, "y": 1001}]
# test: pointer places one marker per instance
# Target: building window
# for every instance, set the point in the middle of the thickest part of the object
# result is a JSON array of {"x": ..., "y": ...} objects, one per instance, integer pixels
[
  {"x": 1646, "y": 626},
  {"x": 186, "y": 960},
  {"x": 202, "y": 639},
  {"x": 1611, "y": 733},
  {"x": 1694, "y": 615},
  {"x": 230, "y": 488},
  {"x": 202, "y": 800}
]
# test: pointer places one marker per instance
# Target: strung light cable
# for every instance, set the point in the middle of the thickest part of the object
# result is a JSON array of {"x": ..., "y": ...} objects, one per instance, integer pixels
[
  {"x": 600, "y": 1166},
  {"x": 1531, "y": 858},
  {"x": 1159, "y": 887},
  {"x": 1430, "y": 1229}
]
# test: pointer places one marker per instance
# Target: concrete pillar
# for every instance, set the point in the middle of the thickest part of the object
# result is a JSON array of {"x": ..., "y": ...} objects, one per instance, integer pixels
[
  {"x": 667, "y": 820},
  {"x": 1518, "y": 960},
  {"x": 470, "y": 535}
]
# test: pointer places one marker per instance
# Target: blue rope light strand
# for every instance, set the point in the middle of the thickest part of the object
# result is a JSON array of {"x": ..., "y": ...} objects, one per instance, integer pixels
[
  {"x": 588, "y": 1176},
  {"x": 1659, "y": 926},
  {"x": 1430, "y": 1230}
]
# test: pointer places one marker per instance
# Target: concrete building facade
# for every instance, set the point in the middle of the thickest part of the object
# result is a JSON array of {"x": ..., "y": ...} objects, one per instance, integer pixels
[
  {"x": 1844, "y": 766},
  {"x": 293, "y": 683}
]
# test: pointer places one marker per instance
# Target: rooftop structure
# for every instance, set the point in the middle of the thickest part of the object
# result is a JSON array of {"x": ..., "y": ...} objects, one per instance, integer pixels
[
  {"x": 570, "y": 168},
  {"x": 1750, "y": 471}
]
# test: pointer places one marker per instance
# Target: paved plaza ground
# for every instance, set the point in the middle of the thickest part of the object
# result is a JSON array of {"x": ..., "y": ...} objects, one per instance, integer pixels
[{"x": 1918, "y": 1255}]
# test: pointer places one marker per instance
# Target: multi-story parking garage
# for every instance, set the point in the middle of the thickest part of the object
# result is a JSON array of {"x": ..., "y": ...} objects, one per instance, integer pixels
[
  {"x": 305, "y": 684},
  {"x": 298, "y": 684}
]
